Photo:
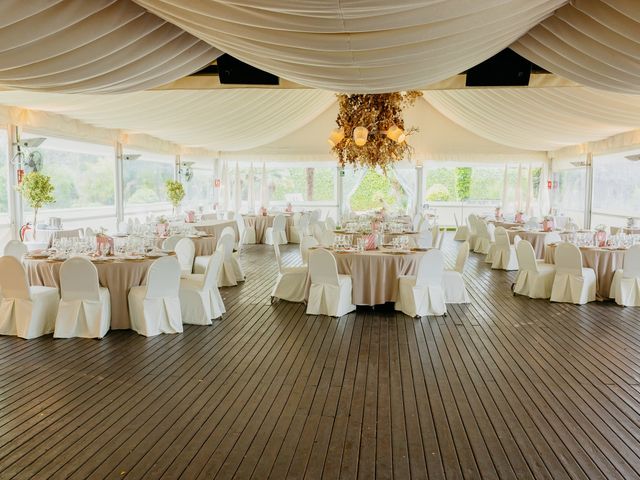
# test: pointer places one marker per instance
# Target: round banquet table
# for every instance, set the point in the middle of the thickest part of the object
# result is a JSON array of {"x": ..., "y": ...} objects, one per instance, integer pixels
[
  {"x": 374, "y": 273},
  {"x": 262, "y": 222},
  {"x": 506, "y": 225},
  {"x": 631, "y": 230},
  {"x": 204, "y": 245},
  {"x": 604, "y": 261},
  {"x": 388, "y": 236},
  {"x": 215, "y": 227},
  {"x": 116, "y": 275},
  {"x": 535, "y": 238}
]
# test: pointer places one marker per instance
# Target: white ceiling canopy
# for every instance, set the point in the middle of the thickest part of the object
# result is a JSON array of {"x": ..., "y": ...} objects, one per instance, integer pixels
[
  {"x": 539, "y": 118},
  {"x": 358, "y": 46},
  {"x": 213, "y": 119},
  {"x": 592, "y": 42},
  {"x": 100, "y": 46}
]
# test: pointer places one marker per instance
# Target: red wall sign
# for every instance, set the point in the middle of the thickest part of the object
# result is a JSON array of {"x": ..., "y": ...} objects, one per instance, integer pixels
[
  {"x": 549, "y": 184},
  {"x": 216, "y": 183}
]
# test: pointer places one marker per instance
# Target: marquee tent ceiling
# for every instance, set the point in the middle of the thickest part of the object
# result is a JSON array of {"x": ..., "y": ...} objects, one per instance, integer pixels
[
  {"x": 540, "y": 118},
  {"x": 105, "y": 46},
  {"x": 100, "y": 46}
]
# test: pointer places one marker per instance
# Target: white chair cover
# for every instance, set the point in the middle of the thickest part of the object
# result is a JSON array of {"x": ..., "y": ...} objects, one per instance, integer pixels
[
  {"x": 123, "y": 227},
  {"x": 423, "y": 294},
  {"x": 455, "y": 290},
  {"x": 249, "y": 232},
  {"x": 435, "y": 234},
  {"x": 290, "y": 283},
  {"x": 231, "y": 272},
  {"x": 534, "y": 279},
  {"x": 417, "y": 221},
  {"x": 473, "y": 231},
  {"x": 155, "y": 307},
  {"x": 305, "y": 244},
  {"x": 276, "y": 233},
  {"x": 330, "y": 224},
  {"x": 330, "y": 293},
  {"x": 27, "y": 312},
  {"x": 209, "y": 216},
  {"x": 88, "y": 232},
  {"x": 15, "y": 249},
  {"x": 504, "y": 254},
  {"x": 185, "y": 253},
  {"x": 440, "y": 240},
  {"x": 462, "y": 231},
  {"x": 303, "y": 226},
  {"x": 625, "y": 287},
  {"x": 231, "y": 215},
  {"x": 294, "y": 233},
  {"x": 85, "y": 307},
  {"x": 572, "y": 283},
  {"x": 483, "y": 240},
  {"x": 170, "y": 243},
  {"x": 200, "y": 299}
]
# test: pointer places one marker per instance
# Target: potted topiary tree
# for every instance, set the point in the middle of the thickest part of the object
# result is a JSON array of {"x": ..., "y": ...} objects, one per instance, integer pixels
[
  {"x": 175, "y": 193},
  {"x": 37, "y": 189}
]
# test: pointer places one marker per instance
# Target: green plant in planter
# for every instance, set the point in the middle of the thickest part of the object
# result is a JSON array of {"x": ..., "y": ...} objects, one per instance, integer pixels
[
  {"x": 175, "y": 192},
  {"x": 37, "y": 189}
]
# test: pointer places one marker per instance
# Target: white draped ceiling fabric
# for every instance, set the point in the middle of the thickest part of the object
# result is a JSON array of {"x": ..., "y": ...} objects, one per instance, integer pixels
[
  {"x": 592, "y": 42},
  {"x": 367, "y": 46},
  {"x": 226, "y": 120},
  {"x": 539, "y": 118},
  {"x": 99, "y": 46}
]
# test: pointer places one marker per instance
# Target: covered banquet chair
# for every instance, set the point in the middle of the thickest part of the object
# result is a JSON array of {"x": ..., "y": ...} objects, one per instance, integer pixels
[
  {"x": 330, "y": 293},
  {"x": 534, "y": 279},
  {"x": 625, "y": 287},
  {"x": 305, "y": 245},
  {"x": 504, "y": 254},
  {"x": 291, "y": 281},
  {"x": 15, "y": 249},
  {"x": 294, "y": 233},
  {"x": 423, "y": 294},
  {"x": 85, "y": 307},
  {"x": 573, "y": 283},
  {"x": 25, "y": 311},
  {"x": 455, "y": 290},
  {"x": 276, "y": 233},
  {"x": 231, "y": 271},
  {"x": 155, "y": 306},
  {"x": 248, "y": 230},
  {"x": 200, "y": 299},
  {"x": 185, "y": 253},
  {"x": 462, "y": 231}
]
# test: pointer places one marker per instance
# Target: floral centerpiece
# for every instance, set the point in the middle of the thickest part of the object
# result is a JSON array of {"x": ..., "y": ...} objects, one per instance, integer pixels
[
  {"x": 548, "y": 224},
  {"x": 498, "y": 213},
  {"x": 263, "y": 211},
  {"x": 601, "y": 235},
  {"x": 519, "y": 217},
  {"x": 175, "y": 193},
  {"x": 37, "y": 189},
  {"x": 162, "y": 226}
]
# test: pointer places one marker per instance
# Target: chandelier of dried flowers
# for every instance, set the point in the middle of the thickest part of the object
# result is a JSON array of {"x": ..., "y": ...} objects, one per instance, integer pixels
[{"x": 371, "y": 131}]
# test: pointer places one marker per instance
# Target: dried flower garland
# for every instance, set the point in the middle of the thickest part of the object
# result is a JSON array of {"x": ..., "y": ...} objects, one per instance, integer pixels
[{"x": 383, "y": 143}]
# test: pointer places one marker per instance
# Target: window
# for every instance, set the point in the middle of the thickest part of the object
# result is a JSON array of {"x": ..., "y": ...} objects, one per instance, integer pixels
[
  {"x": 568, "y": 193},
  {"x": 144, "y": 179},
  {"x": 199, "y": 190},
  {"x": 483, "y": 185},
  {"x": 302, "y": 184},
  {"x": 616, "y": 192},
  {"x": 4, "y": 169},
  {"x": 374, "y": 191}
]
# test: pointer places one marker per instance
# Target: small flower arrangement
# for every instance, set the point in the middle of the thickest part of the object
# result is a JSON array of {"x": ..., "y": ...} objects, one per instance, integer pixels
[
  {"x": 175, "y": 192},
  {"x": 549, "y": 218},
  {"x": 162, "y": 219},
  {"x": 601, "y": 228}
]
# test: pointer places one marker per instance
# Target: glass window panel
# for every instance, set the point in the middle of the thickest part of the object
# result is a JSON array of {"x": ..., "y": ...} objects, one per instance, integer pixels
[{"x": 144, "y": 178}]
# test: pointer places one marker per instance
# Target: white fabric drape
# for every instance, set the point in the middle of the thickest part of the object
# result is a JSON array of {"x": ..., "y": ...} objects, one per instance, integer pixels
[
  {"x": 539, "y": 118},
  {"x": 359, "y": 176},
  {"x": 505, "y": 188},
  {"x": 220, "y": 119},
  {"x": 407, "y": 179},
  {"x": 592, "y": 42},
  {"x": 264, "y": 190},
  {"x": 101, "y": 46},
  {"x": 252, "y": 196},
  {"x": 238, "y": 191},
  {"x": 358, "y": 45}
]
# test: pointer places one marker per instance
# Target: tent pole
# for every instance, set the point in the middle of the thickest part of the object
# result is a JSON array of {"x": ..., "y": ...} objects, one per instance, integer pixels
[
  {"x": 419, "y": 192},
  {"x": 588, "y": 204},
  {"x": 339, "y": 193},
  {"x": 13, "y": 196},
  {"x": 119, "y": 184}
]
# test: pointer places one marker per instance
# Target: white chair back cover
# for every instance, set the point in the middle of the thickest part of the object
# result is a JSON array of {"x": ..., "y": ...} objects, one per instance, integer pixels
[
  {"x": 231, "y": 215},
  {"x": 185, "y": 252},
  {"x": 13, "y": 279},
  {"x": 502, "y": 239},
  {"x": 323, "y": 268},
  {"x": 471, "y": 220},
  {"x": 435, "y": 234},
  {"x": 491, "y": 231},
  {"x": 631, "y": 267},
  {"x": 526, "y": 256},
  {"x": 425, "y": 239},
  {"x": 315, "y": 216},
  {"x": 296, "y": 218},
  {"x": 516, "y": 240},
  {"x": 455, "y": 219},
  {"x": 79, "y": 280},
  {"x": 171, "y": 242},
  {"x": 213, "y": 269},
  {"x": 318, "y": 231},
  {"x": 303, "y": 223},
  {"x": 88, "y": 232},
  {"x": 568, "y": 259},
  {"x": 330, "y": 224},
  {"x": 461, "y": 259},
  {"x": 431, "y": 269},
  {"x": 279, "y": 223},
  {"x": 209, "y": 216},
  {"x": 226, "y": 241},
  {"x": 305, "y": 243},
  {"x": 229, "y": 231},
  {"x": 163, "y": 278},
  {"x": 16, "y": 249}
]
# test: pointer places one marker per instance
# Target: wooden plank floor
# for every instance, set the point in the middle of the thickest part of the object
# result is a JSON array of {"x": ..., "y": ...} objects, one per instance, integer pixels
[{"x": 505, "y": 387}]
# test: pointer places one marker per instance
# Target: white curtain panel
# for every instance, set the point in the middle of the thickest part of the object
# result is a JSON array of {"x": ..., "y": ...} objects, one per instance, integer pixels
[
  {"x": 364, "y": 46},
  {"x": 100, "y": 46},
  {"x": 221, "y": 120},
  {"x": 539, "y": 118},
  {"x": 592, "y": 42}
]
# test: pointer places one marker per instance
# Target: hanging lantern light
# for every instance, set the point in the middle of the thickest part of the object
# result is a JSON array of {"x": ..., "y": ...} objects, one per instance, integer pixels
[
  {"x": 336, "y": 136},
  {"x": 396, "y": 134},
  {"x": 360, "y": 135}
]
